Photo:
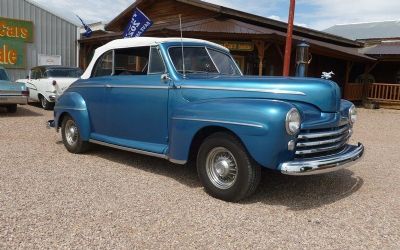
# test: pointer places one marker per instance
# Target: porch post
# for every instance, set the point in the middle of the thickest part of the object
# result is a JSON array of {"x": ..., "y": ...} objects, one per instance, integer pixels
[{"x": 261, "y": 50}]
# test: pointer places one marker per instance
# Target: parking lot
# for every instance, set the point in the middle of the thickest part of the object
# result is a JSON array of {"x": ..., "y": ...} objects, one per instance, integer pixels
[{"x": 107, "y": 198}]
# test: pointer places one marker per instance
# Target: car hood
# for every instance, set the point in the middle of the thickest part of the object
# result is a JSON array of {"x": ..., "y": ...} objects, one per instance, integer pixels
[
  {"x": 11, "y": 86},
  {"x": 321, "y": 93}
]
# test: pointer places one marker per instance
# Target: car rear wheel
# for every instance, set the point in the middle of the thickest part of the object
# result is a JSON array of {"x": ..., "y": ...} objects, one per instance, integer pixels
[
  {"x": 71, "y": 137},
  {"x": 12, "y": 108},
  {"x": 225, "y": 169},
  {"x": 46, "y": 105}
]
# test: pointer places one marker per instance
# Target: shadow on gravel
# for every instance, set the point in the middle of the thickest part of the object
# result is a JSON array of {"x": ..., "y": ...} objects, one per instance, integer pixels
[
  {"x": 305, "y": 192},
  {"x": 295, "y": 193},
  {"x": 21, "y": 111},
  {"x": 186, "y": 175}
]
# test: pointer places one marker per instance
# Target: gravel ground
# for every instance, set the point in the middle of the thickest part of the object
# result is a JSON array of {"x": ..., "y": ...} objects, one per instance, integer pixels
[{"x": 114, "y": 199}]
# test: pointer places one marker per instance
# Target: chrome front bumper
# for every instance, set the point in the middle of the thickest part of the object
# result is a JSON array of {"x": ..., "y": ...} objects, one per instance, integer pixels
[
  {"x": 348, "y": 156},
  {"x": 4, "y": 99}
]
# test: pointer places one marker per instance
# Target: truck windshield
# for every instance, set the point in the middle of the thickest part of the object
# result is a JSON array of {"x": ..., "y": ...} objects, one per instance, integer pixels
[
  {"x": 64, "y": 72},
  {"x": 199, "y": 60},
  {"x": 3, "y": 75}
]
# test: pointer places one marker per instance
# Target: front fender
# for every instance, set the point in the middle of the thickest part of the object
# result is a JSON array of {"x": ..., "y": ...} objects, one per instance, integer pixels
[
  {"x": 259, "y": 124},
  {"x": 73, "y": 104}
]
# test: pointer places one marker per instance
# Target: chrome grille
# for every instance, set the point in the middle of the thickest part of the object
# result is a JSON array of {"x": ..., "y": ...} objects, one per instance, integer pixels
[{"x": 316, "y": 142}]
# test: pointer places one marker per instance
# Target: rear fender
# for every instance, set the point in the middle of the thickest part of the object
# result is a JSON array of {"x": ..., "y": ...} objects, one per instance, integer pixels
[{"x": 72, "y": 103}]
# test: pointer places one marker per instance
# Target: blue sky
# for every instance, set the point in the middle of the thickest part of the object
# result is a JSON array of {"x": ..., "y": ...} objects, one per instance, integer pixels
[{"x": 316, "y": 14}]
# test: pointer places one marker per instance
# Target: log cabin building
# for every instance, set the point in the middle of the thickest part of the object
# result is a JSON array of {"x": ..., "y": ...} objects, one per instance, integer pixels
[{"x": 257, "y": 43}]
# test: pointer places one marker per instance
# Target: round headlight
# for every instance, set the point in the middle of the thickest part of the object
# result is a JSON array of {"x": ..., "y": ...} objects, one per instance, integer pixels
[
  {"x": 293, "y": 121},
  {"x": 352, "y": 114}
]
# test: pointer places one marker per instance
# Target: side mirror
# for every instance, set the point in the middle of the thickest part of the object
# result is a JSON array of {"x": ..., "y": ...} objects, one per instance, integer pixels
[
  {"x": 165, "y": 78},
  {"x": 27, "y": 77}
]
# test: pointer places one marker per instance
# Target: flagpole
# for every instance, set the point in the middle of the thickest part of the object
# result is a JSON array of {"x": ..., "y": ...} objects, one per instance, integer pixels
[{"x": 288, "y": 47}]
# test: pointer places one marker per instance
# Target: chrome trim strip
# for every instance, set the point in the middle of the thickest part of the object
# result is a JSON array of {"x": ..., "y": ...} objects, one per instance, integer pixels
[
  {"x": 219, "y": 121},
  {"x": 318, "y": 143},
  {"x": 129, "y": 149},
  {"x": 122, "y": 86},
  {"x": 137, "y": 86},
  {"x": 350, "y": 155},
  {"x": 323, "y": 134},
  {"x": 319, "y": 150},
  {"x": 88, "y": 86},
  {"x": 273, "y": 91},
  {"x": 70, "y": 108},
  {"x": 138, "y": 151}
]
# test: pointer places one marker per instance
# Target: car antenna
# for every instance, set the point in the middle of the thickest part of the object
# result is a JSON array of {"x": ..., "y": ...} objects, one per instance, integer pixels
[{"x": 183, "y": 55}]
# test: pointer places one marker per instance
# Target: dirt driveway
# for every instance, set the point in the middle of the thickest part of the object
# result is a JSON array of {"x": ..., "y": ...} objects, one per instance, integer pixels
[{"x": 114, "y": 199}]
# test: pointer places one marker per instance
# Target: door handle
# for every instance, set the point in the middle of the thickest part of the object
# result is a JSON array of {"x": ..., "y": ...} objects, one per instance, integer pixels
[{"x": 108, "y": 86}]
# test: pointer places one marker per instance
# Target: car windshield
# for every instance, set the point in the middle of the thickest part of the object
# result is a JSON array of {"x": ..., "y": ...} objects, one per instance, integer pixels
[
  {"x": 64, "y": 72},
  {"x": 3, "y": 75},
  {"x": 203, "y": 60}
]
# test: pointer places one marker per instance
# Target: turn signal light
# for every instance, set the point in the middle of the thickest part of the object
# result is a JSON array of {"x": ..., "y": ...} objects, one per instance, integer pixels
[{"x": 25, "y": 93}]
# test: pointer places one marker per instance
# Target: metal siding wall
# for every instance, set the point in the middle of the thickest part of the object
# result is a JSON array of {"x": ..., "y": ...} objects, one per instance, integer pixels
[{"x": 52, "y": 34}]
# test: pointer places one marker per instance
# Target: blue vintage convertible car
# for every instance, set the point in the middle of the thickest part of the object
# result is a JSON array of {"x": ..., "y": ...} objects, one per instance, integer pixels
[{"x": 140, "y": 95}]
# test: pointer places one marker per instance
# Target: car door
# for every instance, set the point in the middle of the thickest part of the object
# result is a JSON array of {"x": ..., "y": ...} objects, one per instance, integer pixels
[
  {"x": 93, "y": 92},
  {"x": 138, "y": 100},
  {"x": 32, "y": 83}
]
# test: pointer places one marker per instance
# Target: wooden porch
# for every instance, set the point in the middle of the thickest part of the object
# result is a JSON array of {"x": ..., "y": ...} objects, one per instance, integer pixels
[{"x": 383, "y": 94}]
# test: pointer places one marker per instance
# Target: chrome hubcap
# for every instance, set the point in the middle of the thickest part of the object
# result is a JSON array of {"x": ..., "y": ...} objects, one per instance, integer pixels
[
  {"x": 71, "y": 132},
  {"x": 221, "y": 168},
  {"x": 44, "y": 102}
]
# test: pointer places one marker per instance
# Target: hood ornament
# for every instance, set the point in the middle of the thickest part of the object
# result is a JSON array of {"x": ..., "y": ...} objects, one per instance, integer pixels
[{"x": 327, "y": 75}]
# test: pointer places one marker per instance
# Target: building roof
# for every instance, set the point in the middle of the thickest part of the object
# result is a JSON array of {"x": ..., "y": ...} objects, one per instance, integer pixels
[
  {"x": 385, "y": 29},
  {"x": 139, "y": 42},
  {"x": 51, "y": 10},
  {"x": 241, "y": 16},
  {"x": 384, "y": 48}
]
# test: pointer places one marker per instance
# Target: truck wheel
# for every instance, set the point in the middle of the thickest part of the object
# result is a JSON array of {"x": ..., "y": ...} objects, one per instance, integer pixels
[
  {"x": 225, "y": 169},
  {"x": 12, "y": 108},
  {"x": 46, "y": 105},
  {"x": 71, "y": 137}
]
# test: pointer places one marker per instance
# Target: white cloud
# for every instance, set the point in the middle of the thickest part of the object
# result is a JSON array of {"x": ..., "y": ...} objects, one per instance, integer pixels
[
  {"x": 327, "y": 13},
  {"x": 275, "y": 17}
]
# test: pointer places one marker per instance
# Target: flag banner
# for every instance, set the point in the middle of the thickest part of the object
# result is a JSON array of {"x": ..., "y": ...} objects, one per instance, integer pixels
[
  {"x": 88, "y": 30},
  {"x": 138, "y": 24}
]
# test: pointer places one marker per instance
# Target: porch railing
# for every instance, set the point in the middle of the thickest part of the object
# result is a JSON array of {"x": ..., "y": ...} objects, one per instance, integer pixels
[{"x": 383, "y": 92}]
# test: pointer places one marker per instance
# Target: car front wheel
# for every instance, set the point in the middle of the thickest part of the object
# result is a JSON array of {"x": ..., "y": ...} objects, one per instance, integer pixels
[
  {"x": 71, "y": 137},
  {"x": 225, "y": 169}
]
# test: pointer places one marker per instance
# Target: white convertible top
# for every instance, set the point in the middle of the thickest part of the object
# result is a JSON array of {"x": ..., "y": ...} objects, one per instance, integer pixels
[{"x": 139, "y": 42}]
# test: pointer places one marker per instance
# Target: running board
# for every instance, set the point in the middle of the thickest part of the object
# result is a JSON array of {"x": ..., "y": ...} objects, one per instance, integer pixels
[{"x": 137, "y": 151}]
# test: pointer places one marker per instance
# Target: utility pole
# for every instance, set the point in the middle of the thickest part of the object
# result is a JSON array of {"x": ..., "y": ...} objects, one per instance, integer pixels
[{"x": 288, "y": 47}]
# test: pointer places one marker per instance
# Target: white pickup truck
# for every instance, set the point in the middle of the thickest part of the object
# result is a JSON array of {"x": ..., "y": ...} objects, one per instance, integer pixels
[{"x": 45, "y": 83}]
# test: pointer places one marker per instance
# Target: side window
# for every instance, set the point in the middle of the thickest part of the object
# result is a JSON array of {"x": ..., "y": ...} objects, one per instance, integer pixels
[
  {"x": 104, "y": 65},
  {"x": 131, "y": 61},
  {"x": 156, "y": 62},
  {"x": 35, "y": 74}
]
